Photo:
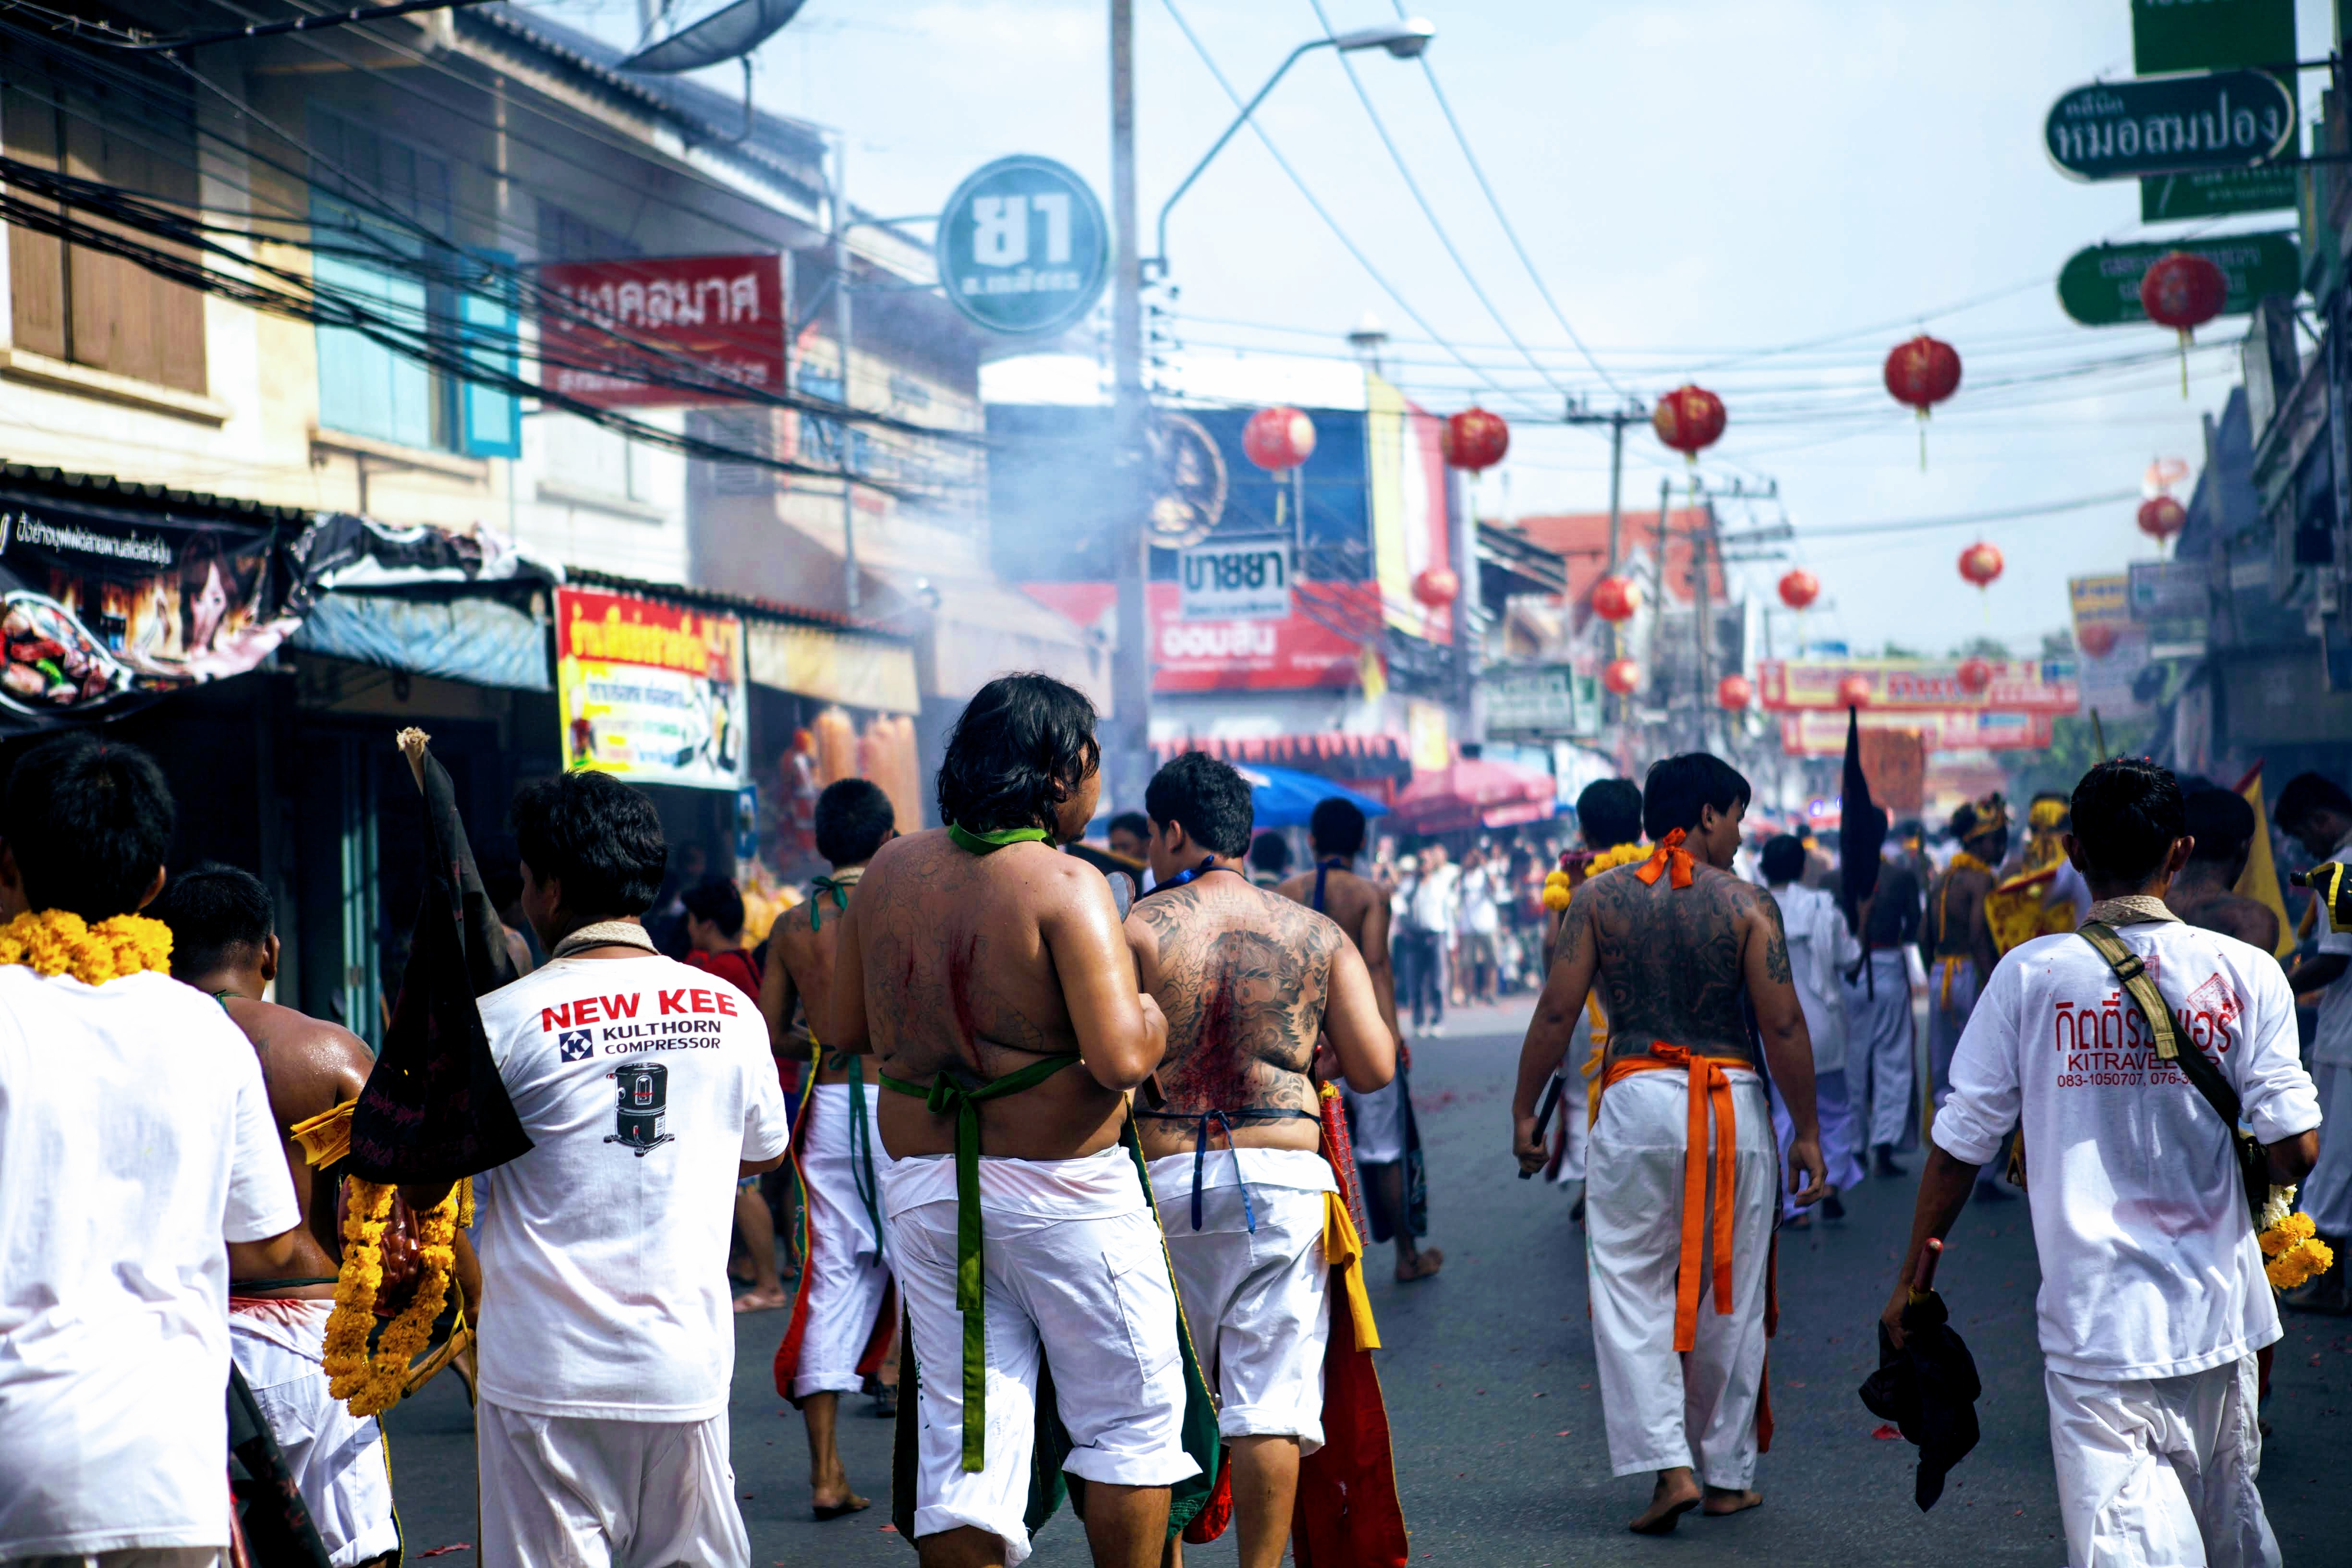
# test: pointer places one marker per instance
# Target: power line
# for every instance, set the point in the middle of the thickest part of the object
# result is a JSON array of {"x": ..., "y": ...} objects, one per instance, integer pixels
[{"x": 1967, "y": 520}]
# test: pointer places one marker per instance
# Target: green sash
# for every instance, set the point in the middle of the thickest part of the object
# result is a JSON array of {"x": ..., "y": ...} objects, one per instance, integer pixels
[
  {"x": 972, "y": 843},
  {"x": 861, "y": 1136}
]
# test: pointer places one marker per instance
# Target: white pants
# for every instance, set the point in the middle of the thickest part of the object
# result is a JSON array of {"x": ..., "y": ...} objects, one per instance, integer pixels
[
  {"x": 571, "y": 1492},
  {"x": 2160, "y": 1473},
  {"x": 337, "y": 1459},
  {"x": 1841, "y": 1149},
  {"x": 1088, "y": 1294},
  {"x": 1879, "y": 1052},
  {"x": 1258, "y": 1302},
  {"x": 1663, "y": 1409},
  {"x": 2328, "y": 1191},
  {"x": 1378, "y": 1122},
  {"x": 845, "y": 1277}
]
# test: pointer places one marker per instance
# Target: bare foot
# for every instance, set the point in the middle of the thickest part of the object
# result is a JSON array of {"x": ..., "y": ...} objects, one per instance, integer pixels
[
  {"x": 762, "y": 1300},
  {"x": 847, "y": 1502},
  {"x": 1421, "y": 1266},
  {"x": 1723, "y": 1500},
  {"x": 1676, "y": 1496}
]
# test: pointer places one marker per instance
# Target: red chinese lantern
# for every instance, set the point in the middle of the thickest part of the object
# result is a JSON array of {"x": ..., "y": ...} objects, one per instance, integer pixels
[
  {"x": 2183, "y": 291},
  {"x": 1733, "y": 693},
  {"x": 2161, "y": 517},
  {"x": 1278, "y": 440},
  {"x": 1920, "y": 374},
  {"x": 1621, "y": 676},
  {"x": 1474, "y": 440},
  {"x": 1799, "y": 589},
  {"x": 1436, "y": 586},
  {"x": 1689, "y": 419},
  {"x": 1980, "y": 564},
  {"x": 1615, "y": 599},
  {"x": 2097, "y": 639},
  {"x": 1975, "y": 674},
  {"x": 1854, "y": 692}
]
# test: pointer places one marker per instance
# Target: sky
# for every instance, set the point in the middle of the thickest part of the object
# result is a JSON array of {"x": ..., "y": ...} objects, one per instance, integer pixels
[{"x": 1702, "y": 185}]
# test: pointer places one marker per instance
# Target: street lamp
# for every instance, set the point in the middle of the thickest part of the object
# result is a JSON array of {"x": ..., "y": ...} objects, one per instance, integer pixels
[{"x": 1403, "y": 40}]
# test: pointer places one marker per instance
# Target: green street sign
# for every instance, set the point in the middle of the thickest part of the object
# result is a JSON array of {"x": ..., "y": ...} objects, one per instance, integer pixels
[
  {"x": 2168, "y": 198},
  {"x": 2213, "y": 35},
  {"x": 1022, "y": 246},
  {"x": 2100, "y": 287},
  {"x": 2171, "y": 125}
]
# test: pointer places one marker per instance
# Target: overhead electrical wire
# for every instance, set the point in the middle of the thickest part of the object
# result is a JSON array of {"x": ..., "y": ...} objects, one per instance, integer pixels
[{"x": 1966, "y": 520}]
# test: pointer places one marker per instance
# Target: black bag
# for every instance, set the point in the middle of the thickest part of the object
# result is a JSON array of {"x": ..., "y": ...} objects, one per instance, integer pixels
[{"x": 2253, "y": 1164}]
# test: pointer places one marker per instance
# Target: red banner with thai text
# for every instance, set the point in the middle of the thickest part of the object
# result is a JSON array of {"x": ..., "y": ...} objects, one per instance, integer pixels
[{"x": 723, "y": 314}]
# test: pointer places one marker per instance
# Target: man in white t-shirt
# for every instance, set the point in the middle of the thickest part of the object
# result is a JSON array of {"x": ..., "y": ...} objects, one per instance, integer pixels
[
  {"x": 2153, "y": 1299},
  {"x": 1429, "y": 931},
  {"x": 607, "y": 1335},
  {"x": 136, "y": 1152},
  {"x": 2315, "y": 810}
]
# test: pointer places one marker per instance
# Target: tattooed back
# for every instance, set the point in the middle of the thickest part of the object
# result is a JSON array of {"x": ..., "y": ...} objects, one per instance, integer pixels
[
  {"x": 1669, "y": 960},
  {"x": 1244, "y": 975}
]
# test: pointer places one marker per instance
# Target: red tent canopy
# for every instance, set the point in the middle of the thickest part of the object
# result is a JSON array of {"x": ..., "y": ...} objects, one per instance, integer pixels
[{"x": 1477, "y": 793}]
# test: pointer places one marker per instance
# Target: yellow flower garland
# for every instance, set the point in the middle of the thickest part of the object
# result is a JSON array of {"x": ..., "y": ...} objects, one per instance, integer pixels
[
  {"x": 59, "y": 941},
  {"x": 1557, "y": 891},
  {"x": 2291, "y": 1243},
  {"x": 374, "y": 1385}
]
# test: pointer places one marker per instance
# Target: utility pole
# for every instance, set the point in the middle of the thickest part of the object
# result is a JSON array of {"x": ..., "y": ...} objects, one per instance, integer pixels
[
  {"x": 1616, "y": 422},
  {"x": 1658, "y": 613},
  {"x": 1129, "y": 755},
  {"x": 1701, "y": 697},
  {"x": 840, "y": 340}
]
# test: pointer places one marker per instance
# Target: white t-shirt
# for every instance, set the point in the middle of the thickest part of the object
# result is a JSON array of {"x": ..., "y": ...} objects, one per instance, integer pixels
[
  {"x": 2149, "y": 1267},
  {"x": 2331, "y": 1040},
  {"x": 1433, "y": 899},
  {"x": 643, "y": 1083},
  {"x": 1821, "y": 946},
  {"x": 1478, "y": 892},
  {"x": 135, "y": 1142}
]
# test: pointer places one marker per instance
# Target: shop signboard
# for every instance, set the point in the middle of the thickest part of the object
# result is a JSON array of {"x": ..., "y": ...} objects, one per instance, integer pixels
[
  {"x": 1814, "y": 733},
  {"x": 2187, "y": 123},
  {"x": 2099, "y": 286},
  {"x": 2168, "y": 591},
  {"x": 1235, "y": 580},
  {"x": 2213, "y": 35},
  {"x": 2017, "y": 685},
  {"x": 723, "y": 315},
  {"x": 1540, "y": 699},
  {"x": 652, "y": 691},
  {"x": 1022, "y": 246}
]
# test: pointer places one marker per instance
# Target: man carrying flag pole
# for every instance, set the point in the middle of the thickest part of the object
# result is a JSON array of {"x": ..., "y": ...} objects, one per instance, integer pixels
[{"x": 1882, "y": 897}]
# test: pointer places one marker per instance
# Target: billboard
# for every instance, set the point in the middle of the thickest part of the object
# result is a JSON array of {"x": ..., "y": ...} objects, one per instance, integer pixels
[
  {"x": 1814, "y": 733},
  {"x": 724, "y": 313},
  {"x": 1297, "y": 652},
  {"x": 2018, "y": 686},
  {"x": 651, "y": 691}
]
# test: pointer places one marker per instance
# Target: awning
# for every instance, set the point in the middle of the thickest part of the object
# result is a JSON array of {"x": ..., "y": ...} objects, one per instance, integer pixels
[
  {"x": 834, "y": 666},
  {"x": 471, "y": 638},
  {"x": 1330, "y": 754},
  {"x": 1477, "y": 793}
]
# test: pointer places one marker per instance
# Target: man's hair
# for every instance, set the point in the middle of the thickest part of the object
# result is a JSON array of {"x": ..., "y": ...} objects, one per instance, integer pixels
[
  {"x": 718, "y": 901},
  {"x": 1909, "y": 827},
  {"x": 1609, "y": 813},
  {"x": 853, "y": 818},
  {"x": 1207, "y": 797},
  {"x": 1133, "y": 822},
  {"x": 88, "y": 821},
  {"x": 1964, "y": 823},
  {"x": 2127, "y": 811},
  {"x": 2222, "y": 823},
  {"x": 216, "y": 913},
  {"x": 1679, "y": 788},
  {"x": 1270, "y": 852},
  {"x": 2307, "y": 792},
  {"x": 1784, "y": 858},
  {"x": 602, "y": 839},
  {"x": 1017, "y": 751},
  {"x": 1335, "y": 826}
]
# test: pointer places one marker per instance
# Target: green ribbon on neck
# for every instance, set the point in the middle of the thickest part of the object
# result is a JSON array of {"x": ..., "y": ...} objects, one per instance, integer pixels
[
  {"x": 959, "y": 1098},
  {"x": 988, "y": 843},
  {"x": 818, "y": 887}
]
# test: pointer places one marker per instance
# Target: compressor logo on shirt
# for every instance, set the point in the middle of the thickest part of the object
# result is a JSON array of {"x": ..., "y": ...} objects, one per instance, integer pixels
[
  {"x": 576, "y": 1045},
  {"x": 643, "y": 1092}
]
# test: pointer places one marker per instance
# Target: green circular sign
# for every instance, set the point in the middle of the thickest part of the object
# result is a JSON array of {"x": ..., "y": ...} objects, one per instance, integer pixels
[{"x": 1022, "y": 246}]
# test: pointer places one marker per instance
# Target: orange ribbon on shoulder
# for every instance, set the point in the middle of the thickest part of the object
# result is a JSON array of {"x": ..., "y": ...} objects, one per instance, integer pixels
[
  {"x": 1669, "y": 856},
  {"x": 1710, "y": 1088}
]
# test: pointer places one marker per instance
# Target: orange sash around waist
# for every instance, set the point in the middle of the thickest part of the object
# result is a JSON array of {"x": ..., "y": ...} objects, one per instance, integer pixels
[{"x": 1708, "y": 1083}]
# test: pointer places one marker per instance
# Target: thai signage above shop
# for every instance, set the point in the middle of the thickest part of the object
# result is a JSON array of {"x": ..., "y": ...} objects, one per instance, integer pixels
[
  {"x": 2014, "y": 685},
  {"x": 635, "y": 328},
  {"x": 651, "y": 691}
]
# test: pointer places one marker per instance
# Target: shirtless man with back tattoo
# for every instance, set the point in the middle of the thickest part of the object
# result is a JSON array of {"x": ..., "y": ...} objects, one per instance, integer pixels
[
  {"x": 1687, "y": 954},
  {"x": 1247, "y": 979},
  {"x": 988, "y": 973}
]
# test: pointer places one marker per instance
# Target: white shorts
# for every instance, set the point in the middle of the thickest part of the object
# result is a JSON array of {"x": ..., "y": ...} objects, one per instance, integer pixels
[
  {"x": 337, "y": 1459},
  {"x": 2160, "y": 1470},
  {"x": 1074, "y": 1275},
  {"x": 596, "y": 1493},
  {"x": 1377, "y": 1123},
  {"x": 845, "y": 1276},
  {"x": 1258, "y": 1302}
]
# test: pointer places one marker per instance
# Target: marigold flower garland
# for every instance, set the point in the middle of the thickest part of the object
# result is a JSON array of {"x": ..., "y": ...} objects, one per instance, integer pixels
[
  {"x": 374, "y": 1385},
  {"x": 1557, "y": 891},
  {"x": 2291, "y": 1243},
  {"x": 59, "y": 941}
]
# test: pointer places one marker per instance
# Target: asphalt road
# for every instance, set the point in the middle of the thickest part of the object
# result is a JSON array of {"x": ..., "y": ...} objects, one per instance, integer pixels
[{"x": 1489, "y": 1376}]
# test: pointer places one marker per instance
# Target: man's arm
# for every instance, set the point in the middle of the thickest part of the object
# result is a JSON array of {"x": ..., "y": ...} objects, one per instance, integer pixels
[
  {"x": 267, "y": 1259},
  {"x": 1377, "y": 965},
  {"x": 1363, "y": 1038},
  {"x": 1554, "y": 1026},
  {"x": 2320, "y": 970},
  {"x": 1944, "y": 1187},
  {"x": 1121, "y": 1034},
  {"x": 1788, "y": 1046}
]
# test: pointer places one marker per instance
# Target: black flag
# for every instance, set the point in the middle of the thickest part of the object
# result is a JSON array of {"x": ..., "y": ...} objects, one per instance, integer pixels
[
  {"x": 1862, "y": 827},
  {"x": 434, "y": 1109}
]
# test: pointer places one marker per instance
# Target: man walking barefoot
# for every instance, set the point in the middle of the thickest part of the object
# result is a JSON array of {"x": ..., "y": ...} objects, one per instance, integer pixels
[
  {"x": 1680, "y": 1221},
  {"x": 988, "y": 972},
  {"x": 1247, "y": 979}
]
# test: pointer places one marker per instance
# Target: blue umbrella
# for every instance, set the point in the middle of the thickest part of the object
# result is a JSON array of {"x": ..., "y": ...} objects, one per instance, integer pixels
[{"x": 1284, "y": 798}]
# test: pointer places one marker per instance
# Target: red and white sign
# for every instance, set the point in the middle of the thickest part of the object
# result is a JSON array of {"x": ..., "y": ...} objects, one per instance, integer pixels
[
  {"x": 1296, "y": 652},
  {"x": 725, "y": 314},
  {"x": 2017, "y": 685},
  {"x": 1813, "y": 734}
]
